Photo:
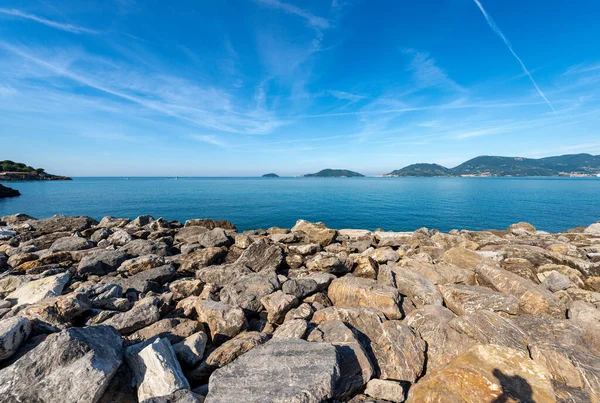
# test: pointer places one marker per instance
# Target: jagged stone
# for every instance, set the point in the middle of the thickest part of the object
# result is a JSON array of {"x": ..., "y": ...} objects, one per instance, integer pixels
[
  {"x": 37, "y": 290},
  {"x": 102, "y": 262},
  {"x": 416, "y": 287},
  {"x": 144, "y": 313},
  {"x": 156, "y": 369},
  {"x": 191, "y": 350},
  {"x": 368, "y": 293},
  {"x": 13, "y": 332},
  {"x": 466, "y": 299},
  {"x": 260, "y": 256},
  {"x": 306, "y": 372},
  {"x": 291, "y": 329},
  {"x": 246, "y": 291},
  {"x": 75, "y": 365},
  {"x": 315, "y": 232},
  {"x": 277, "y": 305}
]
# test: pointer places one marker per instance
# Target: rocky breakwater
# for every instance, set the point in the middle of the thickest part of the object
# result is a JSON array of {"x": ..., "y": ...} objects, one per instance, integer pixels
[{"x": 151, "y": 310}]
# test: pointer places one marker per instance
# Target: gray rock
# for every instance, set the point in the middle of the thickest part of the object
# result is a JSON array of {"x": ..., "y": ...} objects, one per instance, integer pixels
[
  {"x": 261, "y": 256},
  {"x": 102, "y": 263},
  {"x": 75, "y": 365},
  {"x": 141, "y": 247},
  {"x": 214, "y": 237},
  {"x": 173, "y": 329},
  {"x": 300, "y": 287},
  {"x": 420, "y": 290},
  {"x": 465, "y": 299},
  {"x": 247, "y": 291},
  {"x": 13, "y": 332},
  {"x": 144, "y": 313},
  {"x": 355, "y": 365},
  {"x": 223, "y": 320},
  {"x": 191, "y": 350},
  {"x": 38, "y": 290},
  {"x": 306, "y": 372},
  {"x": 59, "y": 223},
  {"x": 71, "y": 243},
  {"x": 277, "y": 305},
  {"x": 223, "y": 274},
  {"x": 385, "y": 390},
  {"x": 156, "y": 369},
  {"x": 181, "y": 396},
  {"x": 148, "y": 280},
  {"x": 292, "y": 329},
  {"x": 556, "y": 281}
]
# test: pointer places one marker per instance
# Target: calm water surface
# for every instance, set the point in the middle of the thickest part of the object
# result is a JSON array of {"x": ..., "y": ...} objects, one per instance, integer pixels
[{"x": 401, "y": 204}]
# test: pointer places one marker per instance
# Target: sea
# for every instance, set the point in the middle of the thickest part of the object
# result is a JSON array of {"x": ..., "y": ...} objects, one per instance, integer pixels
[{"x": 398, "y": 204}]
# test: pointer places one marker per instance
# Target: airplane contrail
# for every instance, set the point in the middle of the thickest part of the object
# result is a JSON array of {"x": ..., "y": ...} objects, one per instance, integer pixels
[{"x": 497, "y": 30}]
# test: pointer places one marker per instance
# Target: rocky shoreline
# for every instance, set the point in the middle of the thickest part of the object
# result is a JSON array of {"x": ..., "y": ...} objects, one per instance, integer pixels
[
  {"x": 150, "y": 310},
  {"x": 8, "y": 192}
]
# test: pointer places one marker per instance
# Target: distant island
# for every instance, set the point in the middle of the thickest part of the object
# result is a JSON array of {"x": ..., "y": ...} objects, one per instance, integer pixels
[
  {"x": 17, "y": 171},
  {"x": 8, "y": 192},
  {"x": 270, "y": 175},
  {"x": 335, "y": 173},
  {"x": 571, "y": 165}
]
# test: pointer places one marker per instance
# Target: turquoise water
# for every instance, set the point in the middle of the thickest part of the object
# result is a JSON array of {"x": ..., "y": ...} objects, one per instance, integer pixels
[{"x": 400, "y": 204}]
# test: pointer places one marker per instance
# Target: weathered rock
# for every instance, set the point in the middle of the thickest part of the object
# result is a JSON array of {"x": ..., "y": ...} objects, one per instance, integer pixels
[
  {"x": 37, "y": 290},
  {"x": 111, "y": 222},
  {"x": 522, "y": 228},
  {"x": 75, "y": 365},
  {"x": 385, "y": 390},
  {"x": 305, "y": 249},
  {"x": 191, "y": 350},
  {"x": 141, "y": 247},
  {"x": 202, "y": 258},
  {"x": 141, "y": 263},
  {"x": 383, "y": 255},
  {"x": 533, "y": 299},
  {"x": 555, "y": 281},
  {"x": 390, "y": 238},
  {"x": 210, "y": 224},
  {"x": 184, "y": 288},
  {"x": 366, "y": 267},
  {"x": 291, "y": 329},
  {"x": 277, "y": 305},
  {"x": 466, "y": 299},
  {"x": 593, "y": 229},
  {"x": 329, "y": 263},
  {"x": 304, "y": 311},
  {"x": 223, "y": 320},
  {"x": 13, "y": 332},
  {"x": 416, "y": 287},
  {"x": 71, "y": 243},
  {"x": 440, "y": 273},
  {"x": 173, "y": 329},
  {"x": 246, "y": 291},
  {"x": 120, "y": 238},
  {"x": 101, "y": 263},
  {"x": 260, "y": 256},
  {"x": 315, "y": 232},
  {"x": 227, "y": 353},
  {"x": 181, "y": 396},
  {"x": 145, "y": 281},
  {"x": 306, "y": 373},
  {"x": 300, "y": 287},
  {"x": 222, "y": 275},
  {"x": 398, "y": 353},
  {"x": 156, "y": 369},
  {"x": 368, "y": 293},
  {"x": 144, "y": 313},
  {"x": 59, "y": 223},
  {"x": 214, "y": 237},
  {"x": 355, "y": 365},
  {"x": 56, "y": 312},
  {"x": 584, "y": 312},
  {"x": 486, "y": 373},
  {"x": 466, "y": 259}
]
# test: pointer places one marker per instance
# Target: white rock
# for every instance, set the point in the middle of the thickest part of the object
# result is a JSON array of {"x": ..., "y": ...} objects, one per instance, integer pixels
[
  {"x": 37, "y": 290},
  {"x": 191, "y": 350},
  {"x": 156, "y": 369},
  {"x": 385, "y": 390},
  {"x": 13, "y": 332}
]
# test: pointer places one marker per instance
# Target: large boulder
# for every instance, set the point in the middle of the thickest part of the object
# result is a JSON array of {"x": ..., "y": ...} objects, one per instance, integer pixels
[
  {"x": 102, "y": 262},
  {"x": 59, "y": 223},
  {"x": 465, "y": 299},
  {"x": 247, "y": 291},
  {"x": 533, "y": 299},
  {"x": 156, "y": 369},
  {"x": 305, "y": 372},
  {"x": 260, "y": 256},
  {"x": 315, "y": 232},
  {"x": 75, "y": 365},
  {"x": 593, "y": 229},
  {"x": 37, "y": 290},
  {"x": 13, "y": 332},
  {"x": 486, "y": 373},
  {"x": 397, "y": 352},
  {"x": 355, "y": 365},
  {"x": 365, "y": 292},
  {"x": 71, "y": 243},
  {"x": 144, "y": 313},
  {"x": 419, "y": 289},
  {"x": 224, "y": 321}
]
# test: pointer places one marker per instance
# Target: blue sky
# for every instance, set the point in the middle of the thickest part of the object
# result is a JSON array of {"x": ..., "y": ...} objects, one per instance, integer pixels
[{"x": 226, "y": 88}]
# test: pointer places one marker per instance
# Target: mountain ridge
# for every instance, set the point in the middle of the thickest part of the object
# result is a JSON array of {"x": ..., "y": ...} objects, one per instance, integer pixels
[{"x": 488, "y": 165}]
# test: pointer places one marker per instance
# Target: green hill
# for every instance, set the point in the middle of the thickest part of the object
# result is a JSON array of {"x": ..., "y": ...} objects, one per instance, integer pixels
[
  {"x": 270, "y": 175},
  {"x": 12, "y": 171},
  {"x": 563, "y": 165},
  {"x": 335, "y": 173},
  {"x": 422, "y": 170}
]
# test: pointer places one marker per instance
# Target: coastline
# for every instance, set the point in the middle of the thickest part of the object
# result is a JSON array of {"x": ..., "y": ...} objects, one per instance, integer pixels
[{"x": 408, "y": 313}]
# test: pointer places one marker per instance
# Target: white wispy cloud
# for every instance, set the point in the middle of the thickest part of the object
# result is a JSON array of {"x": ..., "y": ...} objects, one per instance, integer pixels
[
  {"x": 54, "y": 24},
  {"x": 311, "y": 19},
  {"x": 426, "y": 73},
  {"x": 498, "y": 32},
  {"x": 346, "y": 96},
  {"x": 210, "y": 139},
  {"x": 582, "y": 69},
  {"x": 181, "y": 99}
]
